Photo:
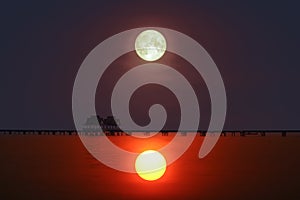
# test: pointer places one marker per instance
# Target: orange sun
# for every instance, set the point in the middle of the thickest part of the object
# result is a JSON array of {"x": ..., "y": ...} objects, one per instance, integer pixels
[{"x": 150, "y": 165}]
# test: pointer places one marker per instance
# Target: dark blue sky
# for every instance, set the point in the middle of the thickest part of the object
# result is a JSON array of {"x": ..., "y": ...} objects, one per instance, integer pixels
[{"x": 254, "y": 44}]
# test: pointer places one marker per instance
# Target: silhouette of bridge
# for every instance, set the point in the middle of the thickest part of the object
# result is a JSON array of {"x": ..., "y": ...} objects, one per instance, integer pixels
[
  {"x": 109, "y": 126},
  {"x": 115, "y": 132}
]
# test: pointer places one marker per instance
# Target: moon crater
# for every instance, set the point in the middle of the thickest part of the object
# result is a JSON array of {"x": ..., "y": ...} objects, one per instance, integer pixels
[{"x": 150, "y": 45}]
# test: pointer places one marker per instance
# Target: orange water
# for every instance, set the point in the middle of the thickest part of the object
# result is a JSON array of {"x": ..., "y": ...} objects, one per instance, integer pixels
[{"x": 58, "y": 167}]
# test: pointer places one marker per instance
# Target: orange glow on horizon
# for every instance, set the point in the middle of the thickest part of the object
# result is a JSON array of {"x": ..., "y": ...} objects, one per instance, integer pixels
[{"x": 137, "y": 145}]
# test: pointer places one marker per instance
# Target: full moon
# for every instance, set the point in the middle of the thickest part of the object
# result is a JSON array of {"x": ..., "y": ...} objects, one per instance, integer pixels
[
  {"x": 150, "y": 45},
  {"x": 150, "y": 165}
]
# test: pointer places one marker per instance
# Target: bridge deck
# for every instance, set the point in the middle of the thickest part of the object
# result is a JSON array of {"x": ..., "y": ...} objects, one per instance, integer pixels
[{"x": 129, "y": 132}]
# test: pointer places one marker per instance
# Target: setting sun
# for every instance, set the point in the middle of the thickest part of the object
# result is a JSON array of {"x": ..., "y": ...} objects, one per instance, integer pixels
[{"x": 150, "y": 165}]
